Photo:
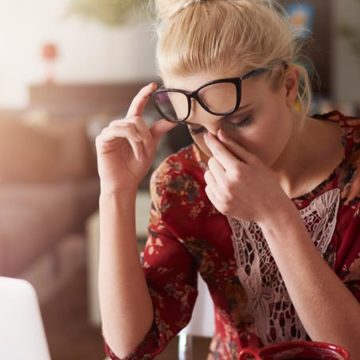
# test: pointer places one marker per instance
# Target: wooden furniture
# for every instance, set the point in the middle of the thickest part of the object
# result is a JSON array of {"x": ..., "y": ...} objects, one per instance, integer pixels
[
  {"x": 66, "y": 100},
  {"x": 69, "y": 101}
]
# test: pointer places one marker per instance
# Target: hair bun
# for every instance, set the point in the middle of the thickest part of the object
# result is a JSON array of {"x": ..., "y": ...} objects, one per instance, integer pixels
[{"x": 166, "y": 9}]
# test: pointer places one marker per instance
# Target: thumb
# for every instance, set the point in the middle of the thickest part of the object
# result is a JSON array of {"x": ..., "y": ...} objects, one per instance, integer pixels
[
  {"x": 160, "y": 128},
  {"x": 239, "y": 151}
]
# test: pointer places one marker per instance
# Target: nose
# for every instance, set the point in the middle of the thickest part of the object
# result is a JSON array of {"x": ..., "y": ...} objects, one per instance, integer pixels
[
  {"x": 201, "y": 117},
  {"x": 213, "y": 129}
]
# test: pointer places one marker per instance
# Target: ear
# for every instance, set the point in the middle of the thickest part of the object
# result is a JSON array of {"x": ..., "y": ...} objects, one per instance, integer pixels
[{"x": 291, "y": 84}]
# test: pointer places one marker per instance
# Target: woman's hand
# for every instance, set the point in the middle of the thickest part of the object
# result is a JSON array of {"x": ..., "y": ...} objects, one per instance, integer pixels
[
  {"x": 239, "y": 184},
  {"x": 126, "y": 147}
]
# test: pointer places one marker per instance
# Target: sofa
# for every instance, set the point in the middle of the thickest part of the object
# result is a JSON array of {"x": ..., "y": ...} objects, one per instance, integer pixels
[
  {"x": 48, "y": 186},
  {"x": 48, "y": 178}
]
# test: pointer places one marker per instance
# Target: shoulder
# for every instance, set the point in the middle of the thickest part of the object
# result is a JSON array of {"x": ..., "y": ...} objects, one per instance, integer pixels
[
  {"x": 346, "y": 121},
  {"x": 181, "y": 163},
  {"x": 349, "y": 176},
  {"x": 350, "y": 126},
  {"x": 178, "y": 179},
  {"x": 345, "y": 176}
]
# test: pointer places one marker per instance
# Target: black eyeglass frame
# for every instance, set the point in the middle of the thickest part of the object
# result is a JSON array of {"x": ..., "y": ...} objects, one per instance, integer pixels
[{"x": 237, "y": 81}]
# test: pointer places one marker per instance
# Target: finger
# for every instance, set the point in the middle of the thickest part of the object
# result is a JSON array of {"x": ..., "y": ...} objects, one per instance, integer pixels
[
  {"x": 211, "y": 195},
  {"x": 210, "y": 180},
  {"x": 139, "y": 126},
  {"x": 116, "y": 132},
  {"x": 160, "y": 128},
  {"x": 138, "y": 149},
  {"x": 214, "y": 189},
  {"x": 217, "y": 171},
  {"x": 139, "y": 102},
  {"x": 236, "y": 148},
  {"x": 144, "y": 130},
  {"x": 110, "y": 134},
  {"x": 220, "y": 152}
]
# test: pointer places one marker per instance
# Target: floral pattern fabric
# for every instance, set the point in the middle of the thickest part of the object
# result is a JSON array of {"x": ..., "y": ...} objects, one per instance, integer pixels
[{"x": 188, "y": 235}]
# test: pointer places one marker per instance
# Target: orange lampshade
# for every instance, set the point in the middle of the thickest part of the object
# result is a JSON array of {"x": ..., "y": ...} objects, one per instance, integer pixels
[{"x": 49, "y": 51}]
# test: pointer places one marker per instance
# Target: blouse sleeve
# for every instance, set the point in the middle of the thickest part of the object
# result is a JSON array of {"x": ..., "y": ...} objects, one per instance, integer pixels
[
  {"x": 351, "y": 243},
  {"x": 171, "y": 276},
  {"x": 352, "y": 279}
]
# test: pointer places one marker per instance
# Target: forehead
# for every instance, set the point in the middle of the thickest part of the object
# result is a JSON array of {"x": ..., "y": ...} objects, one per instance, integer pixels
[{"x": 193, "y": 81}]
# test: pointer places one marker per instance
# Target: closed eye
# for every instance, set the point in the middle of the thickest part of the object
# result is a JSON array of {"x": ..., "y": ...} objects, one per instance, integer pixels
[
  {"x": 241, "y": 123},
  {"x": 233, "y": 122},
  {"x": 196, "y": 131}
]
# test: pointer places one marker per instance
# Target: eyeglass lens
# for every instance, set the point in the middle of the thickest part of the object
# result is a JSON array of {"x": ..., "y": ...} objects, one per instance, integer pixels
[{"x": 220, "y": 98}]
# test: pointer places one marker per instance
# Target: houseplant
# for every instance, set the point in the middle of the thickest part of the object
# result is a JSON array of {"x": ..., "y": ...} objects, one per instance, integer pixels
[{"x": 110, "y": 12}]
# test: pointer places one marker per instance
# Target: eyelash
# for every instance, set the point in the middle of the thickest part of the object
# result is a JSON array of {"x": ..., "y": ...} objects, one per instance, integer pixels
[
  {"x": 240, "y": 124},
  {"x": 197, "y": 131}
]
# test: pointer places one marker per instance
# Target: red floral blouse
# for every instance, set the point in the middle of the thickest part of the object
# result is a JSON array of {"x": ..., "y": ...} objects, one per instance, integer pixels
[{"x": 188, "y": 235}]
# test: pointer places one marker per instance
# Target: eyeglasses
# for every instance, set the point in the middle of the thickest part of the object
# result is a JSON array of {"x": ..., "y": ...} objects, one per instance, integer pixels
[{"x": 220, "y": 97}]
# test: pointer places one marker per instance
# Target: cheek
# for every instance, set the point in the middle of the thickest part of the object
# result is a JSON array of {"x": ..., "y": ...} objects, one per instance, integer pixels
[
  {"x": 276, "y": 127},
  {"x": 274, "y": 139},
  {"x": 267, "y": 138}
]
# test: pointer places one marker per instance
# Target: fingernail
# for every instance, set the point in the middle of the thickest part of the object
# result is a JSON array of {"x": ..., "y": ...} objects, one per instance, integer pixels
[
  {"x": 206, "y": 137},
  {"x": 140, "y": 156},
  {"x": 220, "y": 133}
]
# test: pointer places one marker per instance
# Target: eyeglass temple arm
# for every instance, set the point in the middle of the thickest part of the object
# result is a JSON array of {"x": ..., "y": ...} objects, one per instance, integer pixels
[{"x": 262, "y": 70}]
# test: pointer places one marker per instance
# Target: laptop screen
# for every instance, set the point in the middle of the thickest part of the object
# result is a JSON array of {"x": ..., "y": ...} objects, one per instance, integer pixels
[{"x": 22, "y": 335}]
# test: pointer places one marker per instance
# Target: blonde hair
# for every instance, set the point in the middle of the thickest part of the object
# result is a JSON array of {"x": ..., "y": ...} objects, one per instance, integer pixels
[{"x": 230, "y": 36}]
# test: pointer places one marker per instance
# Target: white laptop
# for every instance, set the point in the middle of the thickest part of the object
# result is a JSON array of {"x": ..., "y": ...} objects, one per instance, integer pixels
[{"x": 22, "y": 335}]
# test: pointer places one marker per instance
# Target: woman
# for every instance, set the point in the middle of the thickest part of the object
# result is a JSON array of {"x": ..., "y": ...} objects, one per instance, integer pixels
[{"x": 264, "y": 204}]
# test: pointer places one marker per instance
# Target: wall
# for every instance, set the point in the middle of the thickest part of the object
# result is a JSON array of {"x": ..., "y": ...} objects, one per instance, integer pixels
[
  {"x": 346, "y": 65},
  {"x": 89, "y": 52}
]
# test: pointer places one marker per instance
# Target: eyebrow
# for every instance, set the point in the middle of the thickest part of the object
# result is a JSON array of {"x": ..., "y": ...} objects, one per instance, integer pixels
[{"x": 239, "y": 109}]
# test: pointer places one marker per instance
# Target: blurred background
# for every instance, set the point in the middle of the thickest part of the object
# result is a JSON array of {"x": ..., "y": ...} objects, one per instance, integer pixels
[{"x": 67, "y": 68}]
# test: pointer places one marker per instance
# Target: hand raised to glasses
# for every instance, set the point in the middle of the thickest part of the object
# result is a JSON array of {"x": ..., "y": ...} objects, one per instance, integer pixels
[
  {"x": 238, "y": 183},
  {"x": 126, "y": 147}
]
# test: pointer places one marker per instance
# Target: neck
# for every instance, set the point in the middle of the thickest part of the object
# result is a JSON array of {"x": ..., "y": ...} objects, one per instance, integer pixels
[
  {"x": 296, "y": 158},
  {"x": 311, "y": 155}
]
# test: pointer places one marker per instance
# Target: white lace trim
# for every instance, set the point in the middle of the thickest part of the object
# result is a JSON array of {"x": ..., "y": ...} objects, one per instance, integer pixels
[{"x": 268, "y": 301}]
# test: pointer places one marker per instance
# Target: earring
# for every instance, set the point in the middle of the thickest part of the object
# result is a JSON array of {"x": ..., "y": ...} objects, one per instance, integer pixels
[{"x": 297, "y": 106}]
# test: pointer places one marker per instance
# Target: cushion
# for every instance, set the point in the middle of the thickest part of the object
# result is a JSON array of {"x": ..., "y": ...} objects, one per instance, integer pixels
[
  {"x": 26, "y": 153},
  {"x": 76, "y": 160}
]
